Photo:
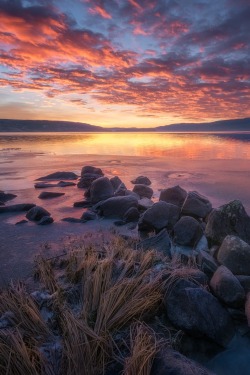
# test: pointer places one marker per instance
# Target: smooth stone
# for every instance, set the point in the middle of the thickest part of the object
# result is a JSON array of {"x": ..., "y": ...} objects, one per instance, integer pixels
[
  {"x": 196, "y": 311},
  {"x": 175, "y": 195},
  {"x": 196, "y": 205},
  {"x": 143, "y": 191},
  {"x": 116, "y": 182},
  {"x": 59, "y": 176},
  {"x": 229, "y": 219},
  {"x": 44, "y": 185},
  {"x": 160, "y": 215},
  {"x": 83, "y": 204},
  {"x": 45, "y": 220},
  {"x": 132, "y": 214},
  {"x": 207, "y": 263},
  {"x": 36, "y": 213},
  {"x": 101, "y": 189},
  {"x": 145, "y": 203},
  {"x": 73, "y": 220},
  {"x": 49, "y": 195},
  {"x": 87, "y": 179},
  {"x": 5, "y": 197},
  {"x": 141, "y": 180},
  {"x": 187, "y": 231},
  {"x": 88, "y": 215},
  {"x": 120, "y": 191},
  {"x": 234, "y": 253},
  {"x": 116, "y": 207},
  {"x": 17, "y": 207},
  {"x": 244, "y": 282},
  {"x": 227, "y": 287},
  {"x": 160, "y": 242},
  {"x": 91, "y": 170},
  {"x": 21, "y": 222}
]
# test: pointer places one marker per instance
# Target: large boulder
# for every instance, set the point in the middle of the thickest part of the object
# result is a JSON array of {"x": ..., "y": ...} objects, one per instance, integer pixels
[
  {"x": 175, "y": 195},
  {"x": 143, "y": 191},
  {"x": 160, "y": 242},
  {"x": 193, "y": 309},
  {"x": 141, "y": 180},
  {"x": 170, "y": 362},
  {"x": 196, "y": 205},
  {"x": 101, "y": 189},
  {"x": 37, "y": 213},
  {"x": 227, "y": 287},
  {"x": 187, "y": 231},
  {"x": 116, "y": 207},
  {"x": 234, "y": 253},
  {"x": 59, "y": 176},
  {"x": 231, "y": 218},
  {"x": 160, "y": 215},
  {"x": 17, "y": 207}
]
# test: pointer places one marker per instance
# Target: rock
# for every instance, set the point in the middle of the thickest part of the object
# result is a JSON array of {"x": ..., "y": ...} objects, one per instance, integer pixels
[
  {"x": 120, "y": 191},
  {"x": 37, "y": 213},
  {"x": 5, "y": 197},
  {"x": 175, "y": 195},
  {"x": 187, "y": 231},
  {"x": 116, "y": 182},
  {"x": 84, "y": 204},
  {"x": 132, "y": 214},
  {"x": 143, "y": 191},
  {"x": 73, "y": 220},
  {"x": 160, "y": 215},
  {"x": 244, "y": 282},
  {"x": 129, "y": 192},
  {"x": 59, "y": 176},
  {"x": 196, "y": 311},
  {"x": 196, "y": 205},
  {"x": 207, "y": 263},
  {"x": 183, "y": 253},
  {"x": 160, "y": 242},
  {"x": 88, "y": 215},
  {"x": 87, "y": 179},
  {"x": 202, "y": 244},
  {"x": 145, "y": 203},
  {"x": 45, "y": 220},
  {"x": 49, "y": 195},
  {"x": 229, "y": 219},
  {"x": 234, "y": 253},
  {"x": 66, "y": 183},
  {"x": 247, "y": 309},
  {"x": 227, "y": 288},
  {"x": 17, "y": 207},
  {"x": 141, "y": 180},
  {"x": 193, "y": 274},
  {"x": 21, "y": 222},
  {"x": 116, "y": 207},
  {"x": 91, "y": 170},
  {"x": 44, "y": 185},
  {"x": 1, "y": 203},
  {"x": 171, "y": 362},
  {"x": 101, "y": 189},
  {"x": 119, "y": 223}
]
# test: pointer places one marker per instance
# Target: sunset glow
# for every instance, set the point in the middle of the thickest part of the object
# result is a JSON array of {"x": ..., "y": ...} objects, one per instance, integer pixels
[{"x": 124, "y": 63}]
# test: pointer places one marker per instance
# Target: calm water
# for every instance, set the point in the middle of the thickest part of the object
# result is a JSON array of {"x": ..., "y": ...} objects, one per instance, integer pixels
[{"x": 216, "y": 165}]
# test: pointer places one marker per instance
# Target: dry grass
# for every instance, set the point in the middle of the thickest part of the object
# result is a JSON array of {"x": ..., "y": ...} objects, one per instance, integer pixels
[{"x": 45, "y": 273}]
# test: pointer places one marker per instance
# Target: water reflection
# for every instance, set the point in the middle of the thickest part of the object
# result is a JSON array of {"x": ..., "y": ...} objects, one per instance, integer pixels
[{"x": 188, "y": 146}]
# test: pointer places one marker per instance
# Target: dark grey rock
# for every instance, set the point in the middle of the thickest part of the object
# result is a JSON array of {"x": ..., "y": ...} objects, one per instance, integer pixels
[
  {"x": 227, "y": 288},
  {"x": 73, "y": 220},
  {"x": 187, "y": 231},
  {"x": 131, "y": 215},
  {"x": 234, "y": 253},
  {"x": 171, "y": 362},
  {"x": 247, "y": 309},
  {"x": 244, "y": 282},
  {"x": 196, "y": 311},
  {"x": 175, "y": 195},
  {"x": 17, "y": 207},
  {"x": 45, "y": 185},
  {"x": 120, "y": 191},
  {"x": 160, "y": 242},
  {"x": 45, "y": 220},
  {"x": 21, "y": 222},
  {"x": 87, "y": 179},
  {"x": 196, "y": 205},
  {"x": 49, "y": 195},
  {"x": 84, "y": 204},
  {"x": 89, "y": 215},
  {"x": 59, "y": 176},
  {"x": 116, "y": 207},
  {"x": 5, "y": 197},
  {"x": 141, "y": 180},
  {"x": 160, "y": 215},
  {"x": 116, "y": 182},
  {"x": 101, "y": 189},
  {"x": 143, "y": 191},
  {"x": 229, "y": 219},
  {"x": 91, "y": 170},
  {"x": 207, "y": 263},
  {"x": 119, "y": 223},
  {"x": 36, "y": 213},
  {"x": 145, "y": 203}
]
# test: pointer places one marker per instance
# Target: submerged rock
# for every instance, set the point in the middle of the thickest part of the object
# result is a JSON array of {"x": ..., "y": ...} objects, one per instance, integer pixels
[
  {"x": 141, "y": 180},
  {"x": 196, "y": 205},
  {"x": 44, "y": 185},
  {"x": 49, "y": 195},
  {"x": 17, "y": 207},
  {"x": 175, "y": 195},
  {"x": 5, "y": 197},
  {"x": 37, "y": 213},
  {"x": 234, "y": 253},
  {"x": 229, "y": 219},
  {"x": 59, "y": 176}
]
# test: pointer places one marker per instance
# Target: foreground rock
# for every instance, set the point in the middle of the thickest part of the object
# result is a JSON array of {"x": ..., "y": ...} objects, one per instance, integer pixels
[
  {"x": 88, "y": 175},
  {"x": 231, "y": 218},
  {"x": 234, "y": 253},
  {"x": 175, "y": 195},
  {"x": 49, "y": 195},
  {"x": 196, "y": 311},
  {"x": 160, "y": 215},
  {"x": 143, "y": 191},
  {"x": 17, "y": 207},
  {"x": 170, "y": 362},
  {"x": 196, "y": 205},
  {"x": 44, "y": 185},
  {"x": 101, "y": 189},
  {"x": 5, "y": 197},
  {"x": 141, "y": 180},
  {"x": 160, "y": 242},
  {"x": 227, "y": 287},
  {"x": 37, "y": 213},
  {"x": 187, "y": 231},
  {"x": 59, "y": 176},
  {"x": 116, "y": 207}
]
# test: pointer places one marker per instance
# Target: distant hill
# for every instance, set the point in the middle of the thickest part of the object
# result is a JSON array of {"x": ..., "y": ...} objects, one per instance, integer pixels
[{"x": 68, "y": 126}]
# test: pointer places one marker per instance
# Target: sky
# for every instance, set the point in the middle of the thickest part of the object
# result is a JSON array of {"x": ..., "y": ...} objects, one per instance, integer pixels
[{"x": 129, "y": 63}]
